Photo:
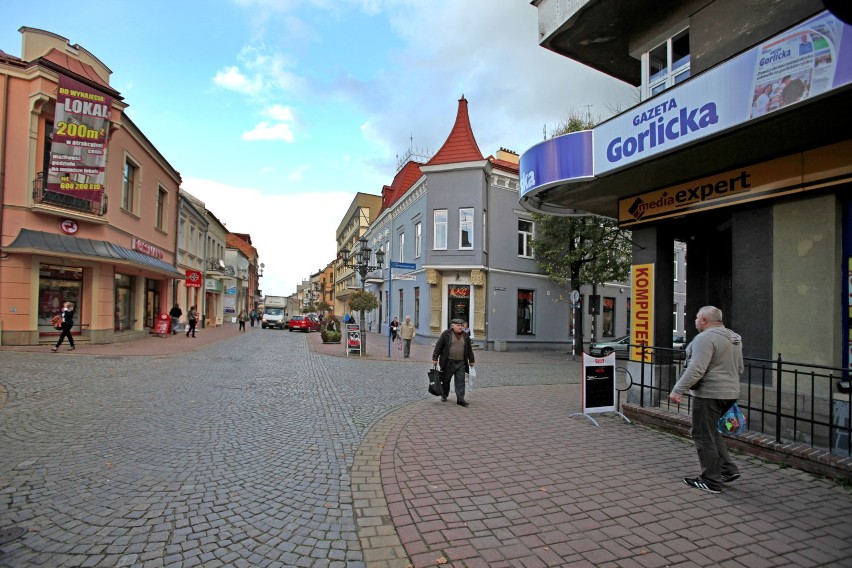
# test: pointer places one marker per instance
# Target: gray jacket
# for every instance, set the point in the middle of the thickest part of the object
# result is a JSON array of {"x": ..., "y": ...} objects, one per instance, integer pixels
[{"x": 714, "y": 363}]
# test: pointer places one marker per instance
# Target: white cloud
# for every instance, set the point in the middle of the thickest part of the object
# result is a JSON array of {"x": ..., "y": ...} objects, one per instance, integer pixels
[
  {"x": 233, "y": 79},
  {"x": 280, "y": 113},
  {"x": 298, "y": 173},
  {"x": 266, "y": 131},
  {"x": 274, "y": 223}
]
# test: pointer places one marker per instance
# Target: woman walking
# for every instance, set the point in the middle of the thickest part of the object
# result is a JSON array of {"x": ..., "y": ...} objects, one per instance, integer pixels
[
  {"x": 394, "y": 328},
  {"x": 67, "y": 324},
  {"x": 242, "y": 319},
  {"x": 193, "y": 319}
]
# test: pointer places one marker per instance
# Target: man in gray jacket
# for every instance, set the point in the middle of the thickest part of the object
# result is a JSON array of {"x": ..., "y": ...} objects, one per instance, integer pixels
[{"x": 714, "y": 363}]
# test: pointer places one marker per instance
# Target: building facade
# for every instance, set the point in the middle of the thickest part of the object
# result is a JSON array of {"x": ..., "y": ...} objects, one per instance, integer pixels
[
  {"x": 457, "y": 245},
  {"x": 740, "y": 148},
  {"x": 89, "y": 206},
  {"x": 191, "y": 250},
  {"x": 217, "y": 272},
  {"x": 362, "y": 211}
]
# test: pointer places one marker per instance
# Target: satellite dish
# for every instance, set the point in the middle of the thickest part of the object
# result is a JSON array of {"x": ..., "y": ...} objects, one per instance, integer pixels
[
  {"x": 262, "y": 265},
  {"x": 242, "y": 264}
]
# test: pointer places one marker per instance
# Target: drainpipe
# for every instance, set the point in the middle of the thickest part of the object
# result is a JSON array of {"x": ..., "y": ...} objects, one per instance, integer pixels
[{"x": 4, "y": 126}]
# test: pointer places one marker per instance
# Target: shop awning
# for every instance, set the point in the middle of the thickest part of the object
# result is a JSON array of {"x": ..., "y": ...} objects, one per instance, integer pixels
[{"x": 39, "y": 242}]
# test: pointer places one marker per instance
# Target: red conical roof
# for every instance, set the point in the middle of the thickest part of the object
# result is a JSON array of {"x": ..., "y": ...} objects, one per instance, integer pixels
[{"x": 460, "y": 146}]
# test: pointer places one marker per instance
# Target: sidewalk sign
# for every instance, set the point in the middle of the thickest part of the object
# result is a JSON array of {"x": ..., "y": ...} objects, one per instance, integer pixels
[
  {"x": 598, "y": 387},
  {"x": 353, "y": 338},
  {"x": 163, "y": 325}
]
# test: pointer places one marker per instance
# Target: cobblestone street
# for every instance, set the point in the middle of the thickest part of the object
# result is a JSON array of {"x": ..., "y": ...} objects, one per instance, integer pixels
[{"x": 259, "y": 449}]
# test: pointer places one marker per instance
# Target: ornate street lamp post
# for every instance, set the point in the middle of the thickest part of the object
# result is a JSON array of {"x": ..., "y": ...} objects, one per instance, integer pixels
[{"x": 360, "y": 263}]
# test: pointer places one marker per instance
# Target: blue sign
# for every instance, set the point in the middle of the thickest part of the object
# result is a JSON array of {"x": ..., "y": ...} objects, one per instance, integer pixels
[
  {"x": 406, "y": 265},
  {"x": 803, "y": 62}
]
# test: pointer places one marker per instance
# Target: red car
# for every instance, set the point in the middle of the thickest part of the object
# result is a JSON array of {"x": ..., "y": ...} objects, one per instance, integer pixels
[{"x": 306, "y": 323}]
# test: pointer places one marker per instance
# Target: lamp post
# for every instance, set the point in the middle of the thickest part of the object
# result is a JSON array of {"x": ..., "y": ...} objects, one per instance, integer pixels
[{"x": 360, "y": 263}]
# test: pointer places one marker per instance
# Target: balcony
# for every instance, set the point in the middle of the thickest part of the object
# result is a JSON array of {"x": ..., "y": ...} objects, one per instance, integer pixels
[{"x": 46, "y": 197}]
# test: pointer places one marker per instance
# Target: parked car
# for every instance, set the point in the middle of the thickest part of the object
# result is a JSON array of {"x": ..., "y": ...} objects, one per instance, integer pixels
[
  {"x": 307, "y": 323},
  {"x": 620, "y": 346}
]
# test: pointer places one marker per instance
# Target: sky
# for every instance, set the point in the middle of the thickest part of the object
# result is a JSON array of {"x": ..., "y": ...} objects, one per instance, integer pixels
[{"x": 277, "y": 112}]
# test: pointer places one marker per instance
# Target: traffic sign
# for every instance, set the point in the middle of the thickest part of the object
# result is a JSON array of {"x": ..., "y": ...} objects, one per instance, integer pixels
[
  {"x": 404, "y": 277},
  {"x": 406, "y": 265}
]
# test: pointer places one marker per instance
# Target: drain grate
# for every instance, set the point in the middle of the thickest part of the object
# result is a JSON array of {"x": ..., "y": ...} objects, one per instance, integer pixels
[{"x": 11, "y": 533}]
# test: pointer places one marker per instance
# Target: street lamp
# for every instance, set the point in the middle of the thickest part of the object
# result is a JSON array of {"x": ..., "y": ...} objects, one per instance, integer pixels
[{"x": 360, "y": 263}]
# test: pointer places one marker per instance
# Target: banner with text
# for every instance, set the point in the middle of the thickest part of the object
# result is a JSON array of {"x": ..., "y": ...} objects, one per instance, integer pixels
[
  {"x": 78, "y": 150},
  {"x": 642, "y": 313}
]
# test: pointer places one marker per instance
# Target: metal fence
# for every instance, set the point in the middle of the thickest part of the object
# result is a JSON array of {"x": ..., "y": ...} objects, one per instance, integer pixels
[{"x": 790, "y": 401}]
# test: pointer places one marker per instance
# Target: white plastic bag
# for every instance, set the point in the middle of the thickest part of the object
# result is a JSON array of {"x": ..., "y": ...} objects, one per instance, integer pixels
[{"x": 468, "y": 386}]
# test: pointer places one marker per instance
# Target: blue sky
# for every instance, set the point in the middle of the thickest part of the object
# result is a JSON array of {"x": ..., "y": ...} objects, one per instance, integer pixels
[{"x": 276, "y": 112}]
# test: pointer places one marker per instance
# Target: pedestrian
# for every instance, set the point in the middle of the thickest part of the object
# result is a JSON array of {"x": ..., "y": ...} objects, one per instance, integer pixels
[
  {"x": 394, "y": 329},
  {"x": 406, "y": 332},
  {"x": 175, "y": 314},
  {"x": 67, "y": 316},
  {"x": 242, "y": 320},
  {"x": 455, "y": 353},
  {"x": 192, "y": 318},
  {"x": 252, "y": 316},
  {"x": 466, "y": 329},
  {"x": 346, "y": 319},
  {"x": 714, "y": 363}
]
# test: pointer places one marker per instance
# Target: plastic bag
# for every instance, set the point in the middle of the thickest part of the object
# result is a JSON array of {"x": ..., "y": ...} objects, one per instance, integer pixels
[
  {"x": 733, "y": 422},
  {"x": 468, "y": 386}
]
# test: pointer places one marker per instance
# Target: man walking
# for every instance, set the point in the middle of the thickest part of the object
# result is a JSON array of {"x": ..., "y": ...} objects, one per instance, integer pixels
[
  {"x": 455, "y": 353},
  {"x": 714, "y": 363},
  {"x": 175, "y": 314},
  {"x": 406, "y": 332}
]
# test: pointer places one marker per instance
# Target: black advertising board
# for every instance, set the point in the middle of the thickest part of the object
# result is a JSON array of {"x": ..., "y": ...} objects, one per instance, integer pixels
[{"x": 598, "y": 383}]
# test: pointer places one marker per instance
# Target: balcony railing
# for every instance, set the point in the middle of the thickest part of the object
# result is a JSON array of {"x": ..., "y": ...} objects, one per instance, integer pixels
[{"x": 47, "y": 197}]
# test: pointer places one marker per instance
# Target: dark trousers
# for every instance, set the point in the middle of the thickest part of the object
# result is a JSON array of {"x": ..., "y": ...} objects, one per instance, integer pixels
[
  {"x": 242, "y": 325},
  {"x": 406, "y": 347},
  {"x": 191, "y": 329},
  {"x": 712, "y": 452},
  {"x": 454, "y": 370},
  {"x": 66, "y": 332}
]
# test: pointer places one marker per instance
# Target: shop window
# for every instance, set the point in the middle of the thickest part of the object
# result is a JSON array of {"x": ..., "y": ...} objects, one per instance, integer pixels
[
  {"x": 608, "y": 325},
  {"x": 466, "y": 228},
  {"x": 525, "y": 312},
  {"x": 131, "y": 176},
  {"x": 124, "y": 301},
  {"x": 440, "y": 220},
  {"x": 57, "y": 285},
  {"x": 666, "y": 65},
  {"x": 525, "y": 234}
]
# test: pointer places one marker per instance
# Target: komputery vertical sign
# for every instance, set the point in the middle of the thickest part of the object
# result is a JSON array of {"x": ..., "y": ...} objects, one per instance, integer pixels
[
  {"x": 642, "y": 312},
  {"x": 78, "y": 151}
]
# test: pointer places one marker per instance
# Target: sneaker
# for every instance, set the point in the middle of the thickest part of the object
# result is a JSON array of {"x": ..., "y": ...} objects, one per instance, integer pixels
[
  {"x": 730, "y": 478},
  {"x": 699, "y": 483}
]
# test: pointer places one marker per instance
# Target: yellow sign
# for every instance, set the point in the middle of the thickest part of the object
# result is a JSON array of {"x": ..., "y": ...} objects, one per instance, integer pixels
[
  {"x": 642, "y": 311},
  {"x": 814, "y": 169}
]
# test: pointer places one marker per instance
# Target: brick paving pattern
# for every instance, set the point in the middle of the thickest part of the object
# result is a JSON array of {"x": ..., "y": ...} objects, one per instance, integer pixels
[{"x": 270, "y": 449}]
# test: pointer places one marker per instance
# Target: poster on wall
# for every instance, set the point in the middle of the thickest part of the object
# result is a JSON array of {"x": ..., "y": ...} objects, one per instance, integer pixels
[
  {"x": 642, "y": 312},
  {"x": 78, "y": 150}
]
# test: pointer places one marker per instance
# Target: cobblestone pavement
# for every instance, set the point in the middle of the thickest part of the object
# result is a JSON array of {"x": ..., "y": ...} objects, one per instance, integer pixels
[{"x": 271, "y": 449}]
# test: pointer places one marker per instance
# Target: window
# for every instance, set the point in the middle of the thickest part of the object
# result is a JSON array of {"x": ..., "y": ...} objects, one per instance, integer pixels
[
  {"x": 674, "y": 318},
  {"x": 525, "y": 233},
  {"x": 608, "y": 316},
  {"x": 466, "y": 228},
  {"x": 182, "y": 233},
  {"x": 440, "y": 242},
  {"x": 161, "y": 208},
  {"x": 402, "y": 247},
  {"x": 401, "y": 298},
  {"x": 131, "y": 174},
  {"x": 676, "y": 254},
  {"x": 191, "y": 239},
  {"x": 667, "y": 64},
  {"x": 417, "y": 306},
  {"x": 525, "y": 312},
  {"x": 417, "y": 240}
]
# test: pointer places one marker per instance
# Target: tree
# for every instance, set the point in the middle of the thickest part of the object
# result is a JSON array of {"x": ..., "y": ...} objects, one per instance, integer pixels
[{"x": 581, "y": 250}]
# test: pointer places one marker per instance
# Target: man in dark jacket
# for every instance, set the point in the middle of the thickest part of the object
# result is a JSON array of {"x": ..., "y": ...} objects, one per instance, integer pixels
[
  {"x": 455, "y": 353},
  {"x": 175, "y": 314}
]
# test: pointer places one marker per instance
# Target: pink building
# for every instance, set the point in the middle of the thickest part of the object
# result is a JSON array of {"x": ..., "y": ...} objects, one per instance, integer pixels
[{"x": 89, "y": 206}]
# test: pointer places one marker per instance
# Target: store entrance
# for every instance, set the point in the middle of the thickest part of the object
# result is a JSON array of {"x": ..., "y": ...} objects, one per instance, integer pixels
[{"x": 459, "y": 303}]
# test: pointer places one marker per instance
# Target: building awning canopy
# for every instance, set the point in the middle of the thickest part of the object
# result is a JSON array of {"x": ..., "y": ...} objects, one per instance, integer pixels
[{"x": 40, "y": 242}]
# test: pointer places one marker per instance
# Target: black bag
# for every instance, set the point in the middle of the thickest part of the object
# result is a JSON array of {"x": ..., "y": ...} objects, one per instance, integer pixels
[{"x": 435, "y": 387}]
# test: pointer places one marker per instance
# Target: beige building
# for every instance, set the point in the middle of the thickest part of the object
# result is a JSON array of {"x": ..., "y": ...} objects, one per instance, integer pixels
[{"x": 363, "y": 211}]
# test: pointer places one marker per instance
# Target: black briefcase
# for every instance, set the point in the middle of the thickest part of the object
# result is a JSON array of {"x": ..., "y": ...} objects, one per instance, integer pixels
[{"x": 435, "y": 387}]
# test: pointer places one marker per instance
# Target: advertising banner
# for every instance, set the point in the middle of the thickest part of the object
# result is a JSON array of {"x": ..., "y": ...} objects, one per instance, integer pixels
[
  {"x": 78, "y": 150},
  {"x": 642, "y": 313},
  {"x": 194, "y": 278}
]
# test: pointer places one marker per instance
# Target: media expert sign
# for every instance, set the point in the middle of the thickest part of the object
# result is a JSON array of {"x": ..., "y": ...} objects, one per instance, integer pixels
[
  {"x": 642, "y": 311},
  {"x": 814, "y": 57}
]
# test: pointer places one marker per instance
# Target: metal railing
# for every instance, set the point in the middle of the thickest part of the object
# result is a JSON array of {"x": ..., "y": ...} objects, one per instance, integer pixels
[
  {"x": 43, "y": 195},
  {"x": 789, "y": 401}
]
